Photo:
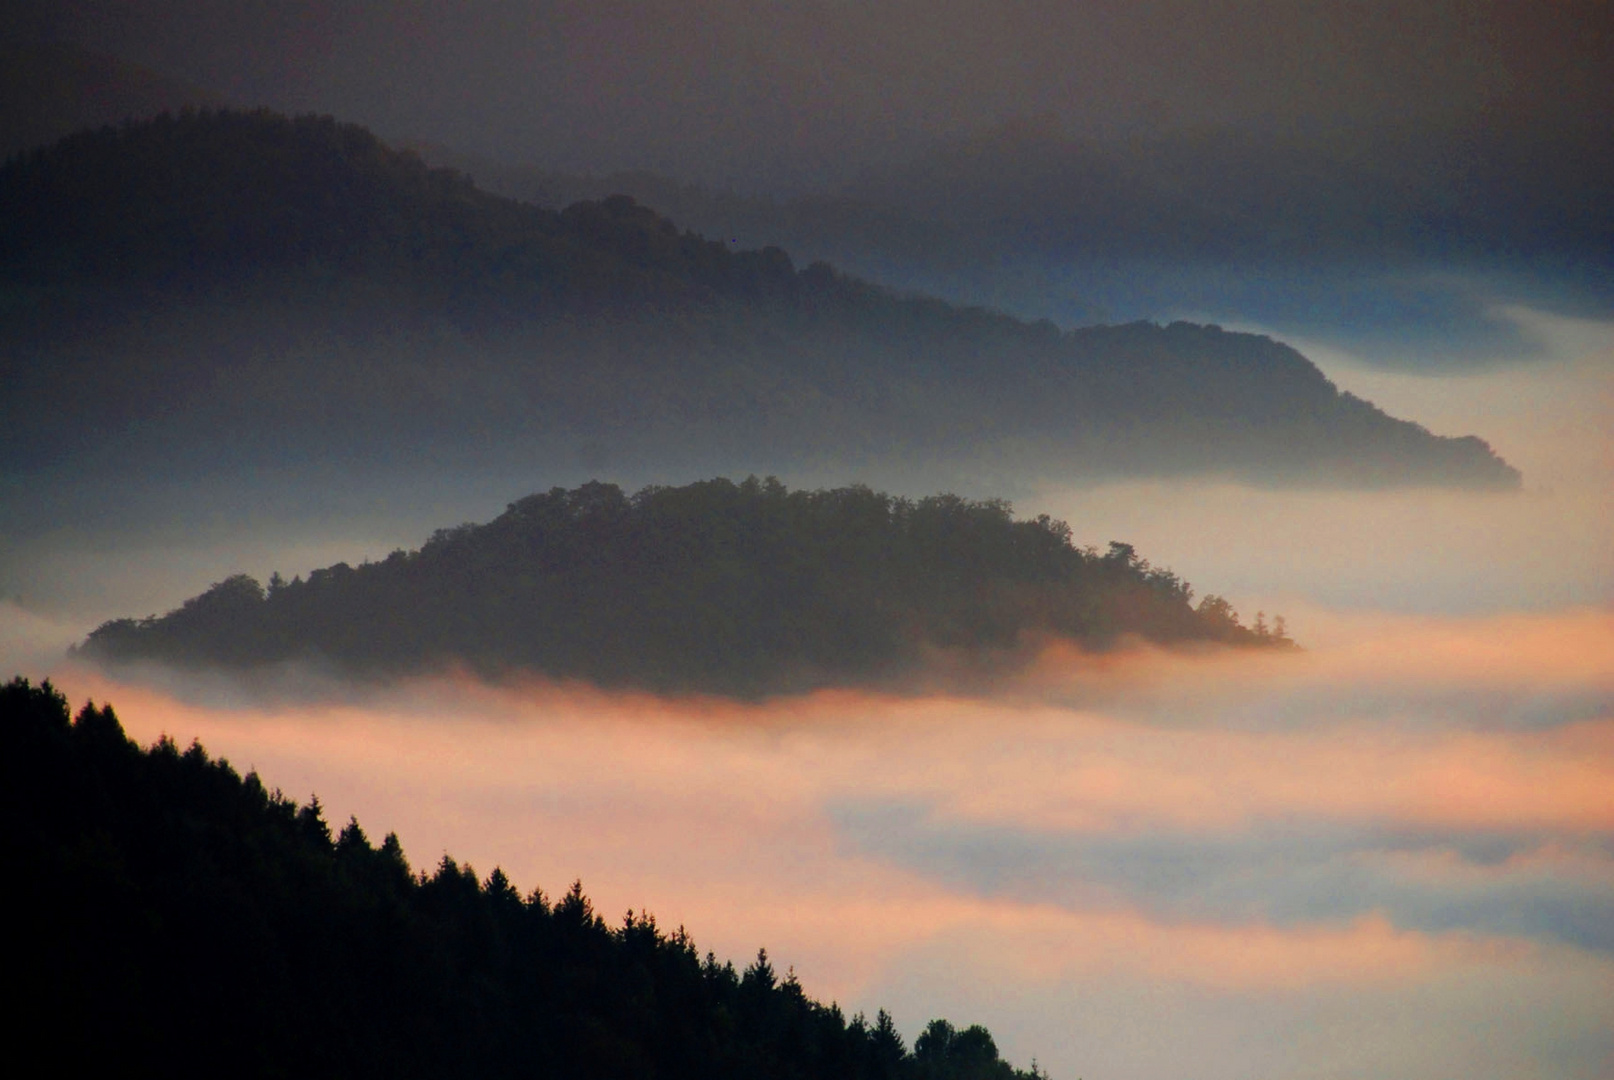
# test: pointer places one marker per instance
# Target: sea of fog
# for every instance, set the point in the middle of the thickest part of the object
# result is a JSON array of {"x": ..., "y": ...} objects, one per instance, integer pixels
[{"x": 1389, "y": 855}]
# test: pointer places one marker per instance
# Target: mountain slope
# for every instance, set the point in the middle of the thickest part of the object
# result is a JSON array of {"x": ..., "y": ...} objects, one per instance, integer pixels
[
  {"x": 180, "y": 916},
  {"x": 272, "y": 287}
]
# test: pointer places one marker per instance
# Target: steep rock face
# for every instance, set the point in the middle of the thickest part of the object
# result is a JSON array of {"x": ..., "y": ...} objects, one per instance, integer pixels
[{"x": 250, "y": 286}]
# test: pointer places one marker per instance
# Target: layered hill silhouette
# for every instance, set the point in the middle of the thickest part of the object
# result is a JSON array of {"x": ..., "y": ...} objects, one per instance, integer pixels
[
  {"x": 160, "y": 884},
  {"x": 741, "y": 589},
  {"x": 257, "y": 289},
  {"x": 1374, "y": 240},
  {"x": 48, "y": 90}
]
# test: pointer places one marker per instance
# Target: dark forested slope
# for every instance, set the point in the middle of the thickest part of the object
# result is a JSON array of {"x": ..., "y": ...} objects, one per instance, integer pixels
[
  {"x": 172, "y": 918},
  {"x": 255, "y": 289},
  {"x": 716, "y": 587}
]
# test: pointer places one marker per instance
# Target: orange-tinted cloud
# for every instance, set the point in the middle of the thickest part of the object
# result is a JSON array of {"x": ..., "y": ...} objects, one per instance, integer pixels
[{"x": 723, "y": 816}]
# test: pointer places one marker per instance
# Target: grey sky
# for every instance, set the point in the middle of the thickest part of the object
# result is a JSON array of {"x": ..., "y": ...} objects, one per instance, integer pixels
[{"x": 796, "y": 89}]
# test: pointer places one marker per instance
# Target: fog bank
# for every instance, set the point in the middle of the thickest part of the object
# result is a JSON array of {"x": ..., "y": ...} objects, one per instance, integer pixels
[{"x": 1414, "y": 819}]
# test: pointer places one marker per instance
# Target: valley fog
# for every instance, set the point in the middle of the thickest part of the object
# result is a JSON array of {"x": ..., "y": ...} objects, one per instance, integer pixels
[
  {"x": 85, "y": 554},
  {"x": 385, "y": 358},
  {"x": 1391, "y": 854},
  {"x": 1405, "y": 832}
]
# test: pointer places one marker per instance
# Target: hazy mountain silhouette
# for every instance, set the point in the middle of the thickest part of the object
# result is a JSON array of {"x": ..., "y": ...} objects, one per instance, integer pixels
[
  {"x": 1398, "y": 239},
  {"x": 1392, "y": 197},
  {"x": 50, "y": 90},
  {"x": 257, "y": 288},
  {"x": 181, "y": 916},
  {"x": 743, "y": 589}
]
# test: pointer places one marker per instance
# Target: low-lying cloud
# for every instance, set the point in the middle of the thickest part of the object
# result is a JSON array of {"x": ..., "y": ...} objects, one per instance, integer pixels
[
  {"x": 1382, "y": 817},
  {"x": 1391, "y": 854},
  {"x": 1288, "y": 874}
]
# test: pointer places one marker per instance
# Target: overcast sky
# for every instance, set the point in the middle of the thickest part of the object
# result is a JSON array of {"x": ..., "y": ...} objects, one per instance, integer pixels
[{"x": 823, "y": 87}]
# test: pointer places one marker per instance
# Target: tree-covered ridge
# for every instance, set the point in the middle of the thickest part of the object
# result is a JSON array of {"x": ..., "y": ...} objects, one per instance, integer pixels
[
  {"x": 176, "y": 919},
  {"x": 276, "y": 287},
  {"x": 744, "y": 589},
  {"x": 185, "y": 199}
]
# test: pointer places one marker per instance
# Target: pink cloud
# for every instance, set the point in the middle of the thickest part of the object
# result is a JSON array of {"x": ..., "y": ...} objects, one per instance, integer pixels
[{"x": 719, "y": 815}]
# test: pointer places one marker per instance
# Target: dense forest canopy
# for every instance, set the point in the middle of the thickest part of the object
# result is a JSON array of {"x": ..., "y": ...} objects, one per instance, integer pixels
[
  {"x": 177, "y": 919},
  {"x": 256, "y": 287},
  {"x": 746, "y": 589}
]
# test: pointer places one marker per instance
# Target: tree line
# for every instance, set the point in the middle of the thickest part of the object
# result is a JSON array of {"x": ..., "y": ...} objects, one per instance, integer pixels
[{"x": 175, "y": 918}]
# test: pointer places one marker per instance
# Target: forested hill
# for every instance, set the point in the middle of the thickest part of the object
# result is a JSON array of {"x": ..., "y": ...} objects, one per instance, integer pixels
[
  {"x": 176, "y": 919},
  {"x": 218, "y": 195},
  {"x": 741, "y": 589},
  {"x": 252, "y": 289}
]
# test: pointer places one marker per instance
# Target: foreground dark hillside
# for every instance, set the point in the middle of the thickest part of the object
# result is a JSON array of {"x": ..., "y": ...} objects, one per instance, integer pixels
[
  {"x": 716, "y": 587},
  {"x": 256, "y": 289},
  {"x": 175, "y": 919}
]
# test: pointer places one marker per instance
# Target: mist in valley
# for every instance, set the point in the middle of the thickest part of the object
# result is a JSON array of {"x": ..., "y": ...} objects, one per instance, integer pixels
[
  {"x": 1389, "y": 852},
  {"x": 1410, "y": 819},
  {"x": 1352, "y": 857}
]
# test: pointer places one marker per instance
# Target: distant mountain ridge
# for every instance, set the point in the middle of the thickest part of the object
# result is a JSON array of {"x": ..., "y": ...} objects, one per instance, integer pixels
[
  {"x": 273, "y": 286},
  {"x": 1379, "y": 238}
]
